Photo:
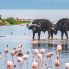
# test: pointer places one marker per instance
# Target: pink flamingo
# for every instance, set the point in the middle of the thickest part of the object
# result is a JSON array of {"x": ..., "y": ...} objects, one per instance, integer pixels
[
  {"x": 59, "y": 49},
  {"x": 42, "y": 51},
  {"x": 57, "y": 62},
  {"x": 10, "y": 65},
  {"x": 19, "y": 49},
  {"x": 34, "y": 65},
  {"x": 12, "y": 54},
  {"x": 36, "y": 51},
  {"x": 6, "y": 51},
  {"x": 66, "y": 65},
  {"x": 20, "y": 61},
  {"x": 25, "y": 57},
  {"x": 49, "y": 55},
  {"x": 40, "y": 57}
]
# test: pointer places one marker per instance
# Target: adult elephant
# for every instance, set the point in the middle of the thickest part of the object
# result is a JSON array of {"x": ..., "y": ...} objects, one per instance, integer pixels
[
  {"x": 63, "y": 26},
  {"x": 39, "y": 25}
]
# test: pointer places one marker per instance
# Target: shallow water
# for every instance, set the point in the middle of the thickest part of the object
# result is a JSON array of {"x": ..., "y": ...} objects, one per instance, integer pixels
[{"x": 13, "y": 36}]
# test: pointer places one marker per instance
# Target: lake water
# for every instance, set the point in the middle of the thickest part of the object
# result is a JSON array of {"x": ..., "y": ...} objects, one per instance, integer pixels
[{"x": 16, "y": 35}]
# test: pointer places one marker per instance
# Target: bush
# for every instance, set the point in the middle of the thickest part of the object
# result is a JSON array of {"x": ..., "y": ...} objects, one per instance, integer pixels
[
  {"x": 11, "y": 20},
  {"x": 2, "y": 22}
]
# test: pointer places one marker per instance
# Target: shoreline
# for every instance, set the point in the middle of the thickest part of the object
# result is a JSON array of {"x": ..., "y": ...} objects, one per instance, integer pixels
[{"x": 15, "y": 24}]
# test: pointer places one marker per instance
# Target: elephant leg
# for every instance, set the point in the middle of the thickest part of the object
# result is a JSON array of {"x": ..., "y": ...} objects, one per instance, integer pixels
[
  {"x": 62, "y": 35},
  {"x": 38, "y": 35},
  {"x": 33, "y": 35},
  {"x": 51, "y": 34},
  {"x": 66, "y": 34},
  {"x": 48, "y": 34}
]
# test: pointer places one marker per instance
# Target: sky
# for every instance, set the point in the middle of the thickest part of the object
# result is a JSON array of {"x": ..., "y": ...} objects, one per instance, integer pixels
[
  {"x": 52, "y": 15},
  {"x": 34, "y": 4}
]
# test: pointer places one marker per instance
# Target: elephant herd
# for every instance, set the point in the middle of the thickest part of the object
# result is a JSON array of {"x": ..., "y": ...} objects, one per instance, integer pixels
[{"x": 44, "y": 25}]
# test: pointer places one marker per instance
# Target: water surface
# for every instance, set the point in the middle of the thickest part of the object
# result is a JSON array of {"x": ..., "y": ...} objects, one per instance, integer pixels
[{"x": 16, "y": 35}]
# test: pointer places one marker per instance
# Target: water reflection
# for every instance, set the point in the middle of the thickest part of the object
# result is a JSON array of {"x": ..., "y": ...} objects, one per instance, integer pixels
[
  {"x": 21, "y": 35},
  {"x": 51, "y": 44}
]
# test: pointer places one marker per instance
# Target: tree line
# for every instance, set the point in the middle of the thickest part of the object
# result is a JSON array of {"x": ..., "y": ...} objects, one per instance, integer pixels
[{"x": 13, "y": 21}]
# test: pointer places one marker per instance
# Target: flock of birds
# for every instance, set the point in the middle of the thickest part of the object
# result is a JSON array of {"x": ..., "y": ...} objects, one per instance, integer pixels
[{"x": 37, "y": 62}]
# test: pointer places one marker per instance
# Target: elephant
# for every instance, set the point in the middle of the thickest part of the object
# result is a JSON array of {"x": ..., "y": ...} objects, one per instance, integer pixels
[
  {"x": 39, "y": 25},
  {"x": 63, "y": 26}
]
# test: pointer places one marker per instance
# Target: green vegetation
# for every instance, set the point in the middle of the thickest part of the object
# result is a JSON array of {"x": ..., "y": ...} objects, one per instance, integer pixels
[{"x": 13, "y": 21}]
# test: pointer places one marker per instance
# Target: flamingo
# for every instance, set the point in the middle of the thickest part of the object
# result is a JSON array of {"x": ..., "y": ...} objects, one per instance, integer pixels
[
  {"x": 6, "y": 51},
  {"x": 36, "y": 51},
  {"x": 20, "y": 61},
  {"x": 34, "y": 65},
  {"x": 66, "y": 65},
  {"x": 49, "y": 55},
  {"x": 19, "y": 49},
  {"x": 10, "y": 65},
  {"x": 59, "y": 49},
  {"x": 40, "y": 57},
  {"x": 12, "y": 54},
  {"x": 57, "y": 62},
  {"x": 42, "y": 51},
  {"x": 25, "y": 57}
]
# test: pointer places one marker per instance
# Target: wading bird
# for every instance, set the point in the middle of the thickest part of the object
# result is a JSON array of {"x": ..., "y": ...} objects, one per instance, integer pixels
[
  {"x": 25, "y": 57},
  {"x": 57, "y": 62},
  {"x": 10, "y": 65},
  {"x": 34, "y": 65},
  {"x": 6, "y": 51},
  {"x": 49, "y": 55},
  {"x": 66, "y": 65}
]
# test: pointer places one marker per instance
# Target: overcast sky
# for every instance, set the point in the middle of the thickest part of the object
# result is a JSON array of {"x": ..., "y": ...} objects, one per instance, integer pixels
[
  {"x": 53, "y": 15},
  {"x": 34, "y": 4}
]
